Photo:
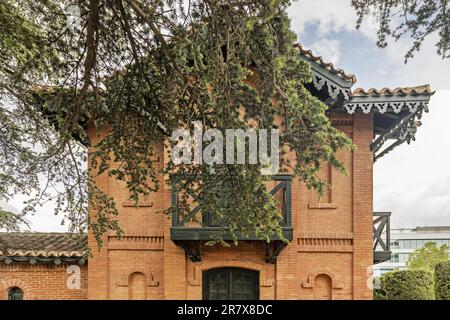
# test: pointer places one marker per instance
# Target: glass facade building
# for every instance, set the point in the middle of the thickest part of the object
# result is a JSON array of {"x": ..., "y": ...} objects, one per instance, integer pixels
[{"x": 406, "y": 241}]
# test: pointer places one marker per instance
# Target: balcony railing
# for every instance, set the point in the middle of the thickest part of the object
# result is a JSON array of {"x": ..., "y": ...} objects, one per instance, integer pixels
[
  {"x": 199, "y": 226},
  {"x": 381, "y": 237}
]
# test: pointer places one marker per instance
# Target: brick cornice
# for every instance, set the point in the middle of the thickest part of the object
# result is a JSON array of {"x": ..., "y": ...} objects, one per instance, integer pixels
[
  {"x": 326, "y": 235},
  {"x": 136, "y": 243}
]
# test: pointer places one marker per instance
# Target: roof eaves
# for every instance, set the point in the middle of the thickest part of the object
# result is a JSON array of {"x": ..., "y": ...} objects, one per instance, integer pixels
[
  {"x": 327, "y": 65},
  {"x": 423, "y": 90}
]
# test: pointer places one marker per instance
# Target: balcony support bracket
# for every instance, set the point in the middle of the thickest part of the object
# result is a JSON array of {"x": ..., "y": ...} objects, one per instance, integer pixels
[
  {"x": 270, "y": 256},
  {"x": 194, "y": 254}
]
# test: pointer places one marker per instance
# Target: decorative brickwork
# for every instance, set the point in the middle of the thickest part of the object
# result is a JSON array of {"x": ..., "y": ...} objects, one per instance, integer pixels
[
  {"x": 333, "y": 244},
  {"x": 336, "y": 284},
  {"x": 334, "y": 241},
  {"x": 332, "y": 251}
]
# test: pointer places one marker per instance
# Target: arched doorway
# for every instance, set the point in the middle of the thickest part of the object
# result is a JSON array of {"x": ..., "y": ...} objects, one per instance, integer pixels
[{"x": 230, "y": 284}]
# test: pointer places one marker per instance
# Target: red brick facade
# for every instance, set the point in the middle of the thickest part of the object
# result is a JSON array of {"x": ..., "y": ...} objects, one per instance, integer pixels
[
  {"x": 44, "y": 281},
  {"x": 329, "y": 258},
  {"x": 43, "y": 266}
]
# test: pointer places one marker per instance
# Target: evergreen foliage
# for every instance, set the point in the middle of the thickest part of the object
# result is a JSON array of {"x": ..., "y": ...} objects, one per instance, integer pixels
[
  {"x": 442, "y": 280},
  {"x": 133, "y": 67},
  {"x": 408, "y": 285}
]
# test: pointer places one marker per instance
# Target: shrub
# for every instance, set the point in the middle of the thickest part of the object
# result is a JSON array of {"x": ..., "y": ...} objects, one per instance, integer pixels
[
  {"x": 442, "y": 280},
  {"x": 408, "y": 285},
  {"x": 379, "y": 294}
]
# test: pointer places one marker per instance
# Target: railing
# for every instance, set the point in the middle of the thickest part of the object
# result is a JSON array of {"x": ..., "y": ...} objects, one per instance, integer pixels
[
  {"x": 197, "y": 225},
  {"x": 381, "y": 237}
]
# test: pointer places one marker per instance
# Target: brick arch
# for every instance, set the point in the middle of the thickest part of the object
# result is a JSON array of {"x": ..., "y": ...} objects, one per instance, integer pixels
[
  {"x": 124, "y": 277},
  {"x": 5, "y": 285},
  {"x": 265, "y": 281},
  {"x": 335, "y": 281}
]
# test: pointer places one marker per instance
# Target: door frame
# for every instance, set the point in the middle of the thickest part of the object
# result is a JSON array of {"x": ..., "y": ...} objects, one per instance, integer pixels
[{"x": 255, "y": 273}]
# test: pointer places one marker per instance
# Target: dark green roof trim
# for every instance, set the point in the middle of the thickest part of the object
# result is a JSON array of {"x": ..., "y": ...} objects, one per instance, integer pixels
[
  {"x": 324, "y": 78},
  {"x": 43, "y": 260}
]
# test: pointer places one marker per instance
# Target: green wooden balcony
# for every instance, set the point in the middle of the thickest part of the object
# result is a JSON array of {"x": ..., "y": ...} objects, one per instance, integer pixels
[
  {"x": 381, "y": 237},
  {"x": 189, "y": 231},
  {"x": 185, "y": 229},
  {"x": 189, "y": 234}
]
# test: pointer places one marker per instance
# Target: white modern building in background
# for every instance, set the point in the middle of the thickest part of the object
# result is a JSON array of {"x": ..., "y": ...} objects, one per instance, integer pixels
[{"x": 405, "y": 241}]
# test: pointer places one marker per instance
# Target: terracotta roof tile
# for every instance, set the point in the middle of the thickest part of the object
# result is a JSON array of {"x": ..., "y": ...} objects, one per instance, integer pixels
[
  {"x": 38, "y": 244},
  {"x": 405, "y": 91},
  {"x": 327, "y": 65}
]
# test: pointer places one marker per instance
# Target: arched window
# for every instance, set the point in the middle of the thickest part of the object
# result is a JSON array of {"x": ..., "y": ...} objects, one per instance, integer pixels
[{"x": 15, "y": 293}]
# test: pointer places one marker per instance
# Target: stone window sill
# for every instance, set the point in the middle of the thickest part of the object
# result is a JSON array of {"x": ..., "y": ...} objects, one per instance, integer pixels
[{"x": 325, "y": 205}]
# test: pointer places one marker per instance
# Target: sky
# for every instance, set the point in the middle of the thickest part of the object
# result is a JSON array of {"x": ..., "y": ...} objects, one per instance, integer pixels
[{"x": 413, "y": 181}]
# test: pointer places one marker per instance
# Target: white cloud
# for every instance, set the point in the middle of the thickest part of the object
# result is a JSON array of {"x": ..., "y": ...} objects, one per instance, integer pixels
[
  {"x": 336, "y": 15},
  {"x": 6, "y": 206},
  {"x": 425, "y": 66},
  {"x": 328, "y": 15},
  {"x": 44, "y": 220},
  {"x": 339, "y": 15},
  {"x": 330, "y": 49},
  {"x": 9, "y": 207}
]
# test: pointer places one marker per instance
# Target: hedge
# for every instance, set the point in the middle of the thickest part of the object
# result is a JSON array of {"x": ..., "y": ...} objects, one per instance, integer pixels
[
  {"x": 408, "y": 285},
  {"x": 442, "y": 280},
  {"x": 379, "y": 294}
]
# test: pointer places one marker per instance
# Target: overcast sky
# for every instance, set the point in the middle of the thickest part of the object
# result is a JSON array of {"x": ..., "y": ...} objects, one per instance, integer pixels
[{"x": 413, "y": 181}]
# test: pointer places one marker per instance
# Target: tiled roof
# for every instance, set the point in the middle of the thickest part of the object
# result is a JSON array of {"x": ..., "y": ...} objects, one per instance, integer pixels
[
  {"x": 36, "y": 244},
  {"x": 327, "y": 65},
  {"x": 423, "y": 90}
]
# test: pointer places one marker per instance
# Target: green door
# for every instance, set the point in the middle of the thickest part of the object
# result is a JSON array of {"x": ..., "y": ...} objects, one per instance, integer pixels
[{"x": 230, "y": 284}]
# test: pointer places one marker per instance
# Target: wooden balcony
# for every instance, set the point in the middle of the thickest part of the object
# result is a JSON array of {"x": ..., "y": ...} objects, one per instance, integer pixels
[
  {"x": 381, "y": 237},
  {"x": 195, "y": 227}
]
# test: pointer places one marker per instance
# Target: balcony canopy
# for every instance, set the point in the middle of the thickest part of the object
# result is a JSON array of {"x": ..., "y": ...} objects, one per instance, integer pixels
[{"x": 397, "y": 112}]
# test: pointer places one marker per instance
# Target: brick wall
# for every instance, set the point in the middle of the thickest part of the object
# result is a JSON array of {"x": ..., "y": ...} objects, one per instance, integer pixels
[
  {"x": 42, "y": 281},
  {"x": 332, "y": 240}
]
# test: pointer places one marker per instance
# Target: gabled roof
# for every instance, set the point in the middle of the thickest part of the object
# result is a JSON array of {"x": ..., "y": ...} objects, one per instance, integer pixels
[
  {"x": 42, "y": 247},
  {"x": 327, "y": 65},
  {"x": 396, "y": 111},
  {"x": 319, "y": 65}
]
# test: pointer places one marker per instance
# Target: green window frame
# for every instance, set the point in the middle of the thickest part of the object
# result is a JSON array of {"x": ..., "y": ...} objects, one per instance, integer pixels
[{"x": 230, "y": 284}]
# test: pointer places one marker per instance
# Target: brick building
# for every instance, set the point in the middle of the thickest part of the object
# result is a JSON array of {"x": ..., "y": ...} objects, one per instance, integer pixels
[
  {"x": 42, "y": 266},
  {"x": 334, "y": 239}
]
